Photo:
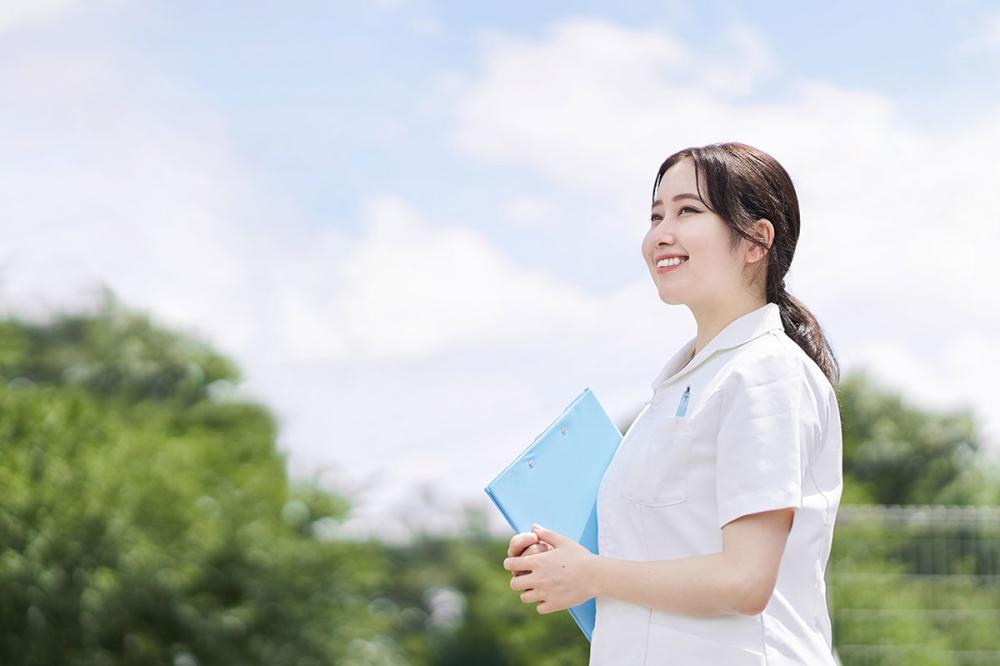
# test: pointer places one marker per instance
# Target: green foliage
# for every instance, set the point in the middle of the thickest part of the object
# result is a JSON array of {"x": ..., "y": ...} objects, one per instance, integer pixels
[
  {"x": 909, "y": 589},
  {"x": 115, "y": 353},
  {"x": 144, "y": 521},
  {"x": 899, "y": 454}
]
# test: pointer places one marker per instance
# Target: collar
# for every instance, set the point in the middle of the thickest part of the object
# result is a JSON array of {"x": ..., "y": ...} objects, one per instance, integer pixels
[{"x": 741, "y": 330}]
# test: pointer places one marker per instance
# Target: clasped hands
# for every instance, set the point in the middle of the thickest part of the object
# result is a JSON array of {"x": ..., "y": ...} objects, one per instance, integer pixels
[{"x": 550, "y": 568}]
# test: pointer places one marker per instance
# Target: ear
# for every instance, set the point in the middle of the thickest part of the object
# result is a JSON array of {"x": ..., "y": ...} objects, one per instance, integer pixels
[{"x": 764, "y": 231}]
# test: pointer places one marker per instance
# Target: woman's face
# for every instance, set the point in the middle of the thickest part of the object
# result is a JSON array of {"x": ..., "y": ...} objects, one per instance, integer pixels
[{"x": 681, "y": 224}]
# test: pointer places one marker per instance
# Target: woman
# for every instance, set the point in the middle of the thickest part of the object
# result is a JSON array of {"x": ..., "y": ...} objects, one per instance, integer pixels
[{"x": 716, "y": 514}]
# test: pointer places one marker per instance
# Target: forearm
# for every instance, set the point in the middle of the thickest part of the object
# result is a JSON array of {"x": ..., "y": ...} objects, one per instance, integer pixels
[{"x": 703, "y": 585}]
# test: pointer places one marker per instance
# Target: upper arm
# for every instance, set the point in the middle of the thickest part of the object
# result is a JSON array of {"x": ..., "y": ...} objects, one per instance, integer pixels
[
  {"x": 764, "y": 436},
  {"x": 766, "y": 432},
  {"x": 754, "y": 544}
]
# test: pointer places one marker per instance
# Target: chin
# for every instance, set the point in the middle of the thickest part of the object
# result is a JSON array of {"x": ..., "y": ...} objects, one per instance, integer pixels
[{"x": 670, "y": 300}]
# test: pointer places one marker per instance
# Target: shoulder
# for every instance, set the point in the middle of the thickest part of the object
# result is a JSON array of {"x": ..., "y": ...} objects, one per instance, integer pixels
[
  {"x": 775, "y": 366},
  {"x": 765, "y": 359}
]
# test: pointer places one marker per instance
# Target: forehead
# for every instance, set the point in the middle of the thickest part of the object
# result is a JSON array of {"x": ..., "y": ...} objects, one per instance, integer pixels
[{"x": 678, "y": 179}]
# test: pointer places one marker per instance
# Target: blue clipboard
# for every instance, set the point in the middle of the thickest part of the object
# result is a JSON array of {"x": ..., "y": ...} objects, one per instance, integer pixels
[{"x": 554, "y": 482}]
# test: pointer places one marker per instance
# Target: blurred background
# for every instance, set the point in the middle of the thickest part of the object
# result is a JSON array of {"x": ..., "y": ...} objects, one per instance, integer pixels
[{"x": 285, "y": 285}]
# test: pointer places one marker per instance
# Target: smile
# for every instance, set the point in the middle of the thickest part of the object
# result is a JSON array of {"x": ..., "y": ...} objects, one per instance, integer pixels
[{"x": 668, "y": 265}]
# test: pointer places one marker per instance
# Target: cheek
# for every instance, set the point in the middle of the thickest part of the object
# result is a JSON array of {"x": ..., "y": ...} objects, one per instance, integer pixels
[{"x": 710, "y": 249}]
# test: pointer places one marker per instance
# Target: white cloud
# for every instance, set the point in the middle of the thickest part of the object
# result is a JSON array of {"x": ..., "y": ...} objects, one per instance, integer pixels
[
  {"x": 103, "y": 188},
  {"x": 415, "y": 289},
  {"x": 18, "y": 14},
  {"x": 524, "y": 210}
]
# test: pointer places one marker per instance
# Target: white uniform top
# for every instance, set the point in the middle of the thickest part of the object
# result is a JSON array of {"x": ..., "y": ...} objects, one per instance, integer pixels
[{"x": 762, "y": 431}]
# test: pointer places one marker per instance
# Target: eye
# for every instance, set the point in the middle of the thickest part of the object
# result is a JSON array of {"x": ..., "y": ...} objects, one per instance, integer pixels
[{"x": 656, "y": 216}]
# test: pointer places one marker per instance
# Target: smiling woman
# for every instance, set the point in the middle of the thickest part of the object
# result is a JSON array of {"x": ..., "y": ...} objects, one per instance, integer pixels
[{"x": 716, "y": 512}]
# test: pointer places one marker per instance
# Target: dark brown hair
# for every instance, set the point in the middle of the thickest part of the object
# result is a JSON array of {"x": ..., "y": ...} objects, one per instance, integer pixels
[{"x": 744, "y": 185}]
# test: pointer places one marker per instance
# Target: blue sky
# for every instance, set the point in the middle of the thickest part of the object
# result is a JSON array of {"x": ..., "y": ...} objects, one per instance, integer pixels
[{"x": 439, "y": 206}]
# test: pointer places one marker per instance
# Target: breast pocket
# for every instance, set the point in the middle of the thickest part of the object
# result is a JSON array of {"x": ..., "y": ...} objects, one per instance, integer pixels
[{"x": 658, "y": 461}]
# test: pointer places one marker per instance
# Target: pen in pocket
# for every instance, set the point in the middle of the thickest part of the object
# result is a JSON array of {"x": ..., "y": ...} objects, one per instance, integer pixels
[{"x": 682, "y": 408}]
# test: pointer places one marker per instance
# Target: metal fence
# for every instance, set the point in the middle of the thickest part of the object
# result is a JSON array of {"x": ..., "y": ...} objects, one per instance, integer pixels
[{"x": 915, "y": 585}]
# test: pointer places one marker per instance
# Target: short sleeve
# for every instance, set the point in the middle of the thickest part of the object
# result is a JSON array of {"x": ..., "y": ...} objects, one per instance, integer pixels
[{"x": 761, "y": 449}]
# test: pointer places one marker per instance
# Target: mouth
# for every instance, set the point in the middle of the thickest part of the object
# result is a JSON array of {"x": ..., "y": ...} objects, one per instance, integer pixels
[{"x": 663, "y": 267}]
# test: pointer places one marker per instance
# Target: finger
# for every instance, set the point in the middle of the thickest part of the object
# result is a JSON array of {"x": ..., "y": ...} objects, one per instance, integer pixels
[
  {"x": 525, "y": 547},
  {"x": 529, "y": 596},
  {"x": 550, "y": 536},
  {"x": 514, "y": 564},
  {"x": 519, "y": 541},
  {"x": 537, "y": 549},
  {"x": 533, "y": 549},
  {"x": 520, "y": 583},
  {"x": 521, "y": 572}
]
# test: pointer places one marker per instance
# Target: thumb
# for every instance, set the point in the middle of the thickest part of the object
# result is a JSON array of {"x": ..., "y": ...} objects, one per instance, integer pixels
[{"x": 549, "y": 536}]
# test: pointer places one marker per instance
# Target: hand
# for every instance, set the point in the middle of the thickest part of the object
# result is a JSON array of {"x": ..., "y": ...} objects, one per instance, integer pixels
[
  {"x": 559, "y": 578},
  {"x": 524, "y": 544}
]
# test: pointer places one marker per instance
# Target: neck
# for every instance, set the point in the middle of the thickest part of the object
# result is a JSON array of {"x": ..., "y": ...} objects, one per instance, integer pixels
[{"x": 714, "y": 317}]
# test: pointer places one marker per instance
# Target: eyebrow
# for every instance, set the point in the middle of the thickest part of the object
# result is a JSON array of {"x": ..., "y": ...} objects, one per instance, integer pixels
[{"x": 677, "y": 197}]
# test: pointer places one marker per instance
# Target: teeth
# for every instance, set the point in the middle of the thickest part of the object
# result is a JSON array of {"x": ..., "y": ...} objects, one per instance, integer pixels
[{"x": 672, "y": 261}]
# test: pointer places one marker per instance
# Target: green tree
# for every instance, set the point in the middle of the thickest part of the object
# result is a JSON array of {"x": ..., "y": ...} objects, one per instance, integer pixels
[
  {"x": 896, "y": 453},
  {"x": 146, "y": 516}
]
